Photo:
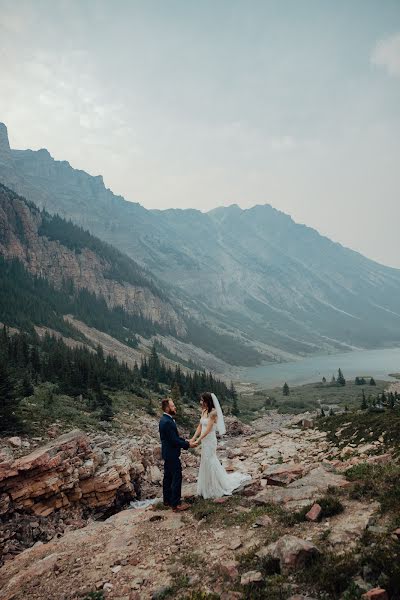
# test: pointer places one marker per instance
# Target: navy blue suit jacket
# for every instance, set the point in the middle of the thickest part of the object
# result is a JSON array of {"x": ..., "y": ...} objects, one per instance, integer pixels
[{"x": 171, "y": 443}]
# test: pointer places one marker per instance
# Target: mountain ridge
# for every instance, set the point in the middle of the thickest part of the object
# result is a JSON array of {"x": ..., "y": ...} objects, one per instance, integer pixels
[{"x": 253, "y": 273}]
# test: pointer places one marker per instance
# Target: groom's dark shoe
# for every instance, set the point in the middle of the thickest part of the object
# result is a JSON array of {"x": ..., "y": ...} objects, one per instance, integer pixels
[{"x": 181, "y": 507}]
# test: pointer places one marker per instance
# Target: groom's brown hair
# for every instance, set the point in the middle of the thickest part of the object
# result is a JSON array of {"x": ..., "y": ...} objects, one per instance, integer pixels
[{"x": 164, "y": 404}]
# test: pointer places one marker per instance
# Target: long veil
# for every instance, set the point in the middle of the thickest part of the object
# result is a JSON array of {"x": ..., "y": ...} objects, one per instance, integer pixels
[{"x": 220, "y": 416}]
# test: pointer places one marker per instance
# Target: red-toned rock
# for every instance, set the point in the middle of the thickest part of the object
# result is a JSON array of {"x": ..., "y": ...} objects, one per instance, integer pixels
[
  {"x": 281, "y": 475},
  {"x": 396, "y": 531},
  {"x": 376, "y": 594},
  {"x": 380, "y": 459},
  {"x": 264, "y": 521},
  {"x": 230, "y": 569},
  {"x": 231, "y": 596},
  {"x": 314, "y": 513},
  {"x": 220, "y": 500}
]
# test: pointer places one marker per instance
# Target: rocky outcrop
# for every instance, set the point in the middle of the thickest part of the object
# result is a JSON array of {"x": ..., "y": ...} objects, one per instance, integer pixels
[
  {"x": 74, "y": 477},
  {"x": 66, "y": 470}
]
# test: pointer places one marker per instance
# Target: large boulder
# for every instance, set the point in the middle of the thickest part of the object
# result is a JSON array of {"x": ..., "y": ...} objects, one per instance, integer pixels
[{"x": 292, "y": 552}]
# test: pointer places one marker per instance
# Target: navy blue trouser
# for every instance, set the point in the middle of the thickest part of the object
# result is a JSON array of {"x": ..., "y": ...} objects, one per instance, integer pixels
[{"x": 172, "y": 483}]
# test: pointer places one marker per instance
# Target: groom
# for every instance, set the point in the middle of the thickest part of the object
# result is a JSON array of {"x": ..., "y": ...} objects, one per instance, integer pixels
[{"x": 171, "y": 445}]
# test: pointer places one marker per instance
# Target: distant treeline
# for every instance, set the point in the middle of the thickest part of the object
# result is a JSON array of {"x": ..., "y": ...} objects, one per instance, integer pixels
[{"x": 26, "y": 360}]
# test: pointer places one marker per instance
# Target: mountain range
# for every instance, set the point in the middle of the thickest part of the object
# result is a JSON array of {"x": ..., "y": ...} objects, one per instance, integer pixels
[{"x": 247, "y": 285}]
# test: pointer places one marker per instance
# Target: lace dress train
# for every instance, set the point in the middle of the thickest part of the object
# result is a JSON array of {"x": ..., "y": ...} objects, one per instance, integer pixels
[{"x": 213, "y": 481}]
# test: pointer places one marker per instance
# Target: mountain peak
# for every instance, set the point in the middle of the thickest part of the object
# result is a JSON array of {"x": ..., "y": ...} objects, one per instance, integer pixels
[{"x": 4, "y": 144}]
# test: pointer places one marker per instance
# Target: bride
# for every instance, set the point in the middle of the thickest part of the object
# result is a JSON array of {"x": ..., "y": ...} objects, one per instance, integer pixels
[{"x": 213, "y": 480}]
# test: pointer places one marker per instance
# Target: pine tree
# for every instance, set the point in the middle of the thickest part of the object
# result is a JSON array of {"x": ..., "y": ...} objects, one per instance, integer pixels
[
  {"x": 232, "y": 391},
  {"x": 235, "y": 408},
  {"x": 154, "y": 367},
  {"x": 324, "y": 380},
  {"x": 340, "y": 379},
  {"x": 8, "y": 403},
  {"x": 372, "y": 381},
  {"x": 107, "y": 411},
  {"x": 104, "y": 403},
  {"x": 364, "y": 404},
  {"x": 322, "y": 412},
  {"x": 331, "y": 413},
  {"x": 176, "y": 394},
  {"x": 285, "y": 389},
  {"x": 24, "y": 387}
]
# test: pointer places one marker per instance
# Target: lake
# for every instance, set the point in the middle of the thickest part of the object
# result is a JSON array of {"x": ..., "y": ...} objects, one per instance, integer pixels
[{"x": 375, "y": 363}]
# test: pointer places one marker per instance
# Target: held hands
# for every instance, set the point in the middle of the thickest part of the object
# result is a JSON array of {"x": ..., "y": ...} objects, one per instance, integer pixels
[{"x": 193, "y": 443}]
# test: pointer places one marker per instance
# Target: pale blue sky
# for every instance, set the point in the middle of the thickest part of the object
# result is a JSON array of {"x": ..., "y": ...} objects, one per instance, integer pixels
[{"x": 199, "y": 104}]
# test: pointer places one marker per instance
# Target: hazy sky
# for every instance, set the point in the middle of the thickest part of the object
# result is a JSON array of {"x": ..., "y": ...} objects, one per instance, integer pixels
[{"x": 197, "y": 103}]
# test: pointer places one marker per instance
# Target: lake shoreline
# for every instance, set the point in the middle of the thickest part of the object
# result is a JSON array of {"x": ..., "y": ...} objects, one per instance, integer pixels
[{"x": 377, "y": 363}]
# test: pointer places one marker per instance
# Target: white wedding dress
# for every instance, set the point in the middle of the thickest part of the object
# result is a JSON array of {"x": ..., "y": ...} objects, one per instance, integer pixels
[{"x": 213, "y": 480}]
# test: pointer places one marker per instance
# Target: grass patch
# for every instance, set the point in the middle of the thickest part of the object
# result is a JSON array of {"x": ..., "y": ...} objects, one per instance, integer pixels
[
  {"x": 46, "y": 407},
  {"x": 181, "y": 582},
  {"x": 192, "y": 559},
  {"x": 330, "y": 573},
  {"x": 160, "y": 506},
  {"x": 377, "y": 482},
  {"x": 308, "y": 397},
  {"x": 228, "y": 514}
]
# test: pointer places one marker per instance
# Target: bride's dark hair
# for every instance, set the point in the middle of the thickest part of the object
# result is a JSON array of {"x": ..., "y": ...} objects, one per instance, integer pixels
[{"x": 208, "y": 401}]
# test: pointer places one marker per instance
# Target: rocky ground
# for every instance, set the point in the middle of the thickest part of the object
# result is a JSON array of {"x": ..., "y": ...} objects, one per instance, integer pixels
[{"x": 297, "y": 509}]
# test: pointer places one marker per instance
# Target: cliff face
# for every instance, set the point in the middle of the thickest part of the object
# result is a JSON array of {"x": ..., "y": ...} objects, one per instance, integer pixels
[{"x": 21, "y": 238}]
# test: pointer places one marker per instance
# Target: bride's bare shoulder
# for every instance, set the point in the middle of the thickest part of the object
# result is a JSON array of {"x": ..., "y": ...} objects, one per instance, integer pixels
[{"x": 213, "y": 415}]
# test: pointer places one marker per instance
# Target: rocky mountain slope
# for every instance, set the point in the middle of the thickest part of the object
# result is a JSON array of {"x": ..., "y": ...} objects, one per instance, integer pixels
[
  {"x": 108, "y": 292},
  {"x": 254, "y": 273},
  {"x": 303, "y": 528},
  {"x": 48, "y": 250}
]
